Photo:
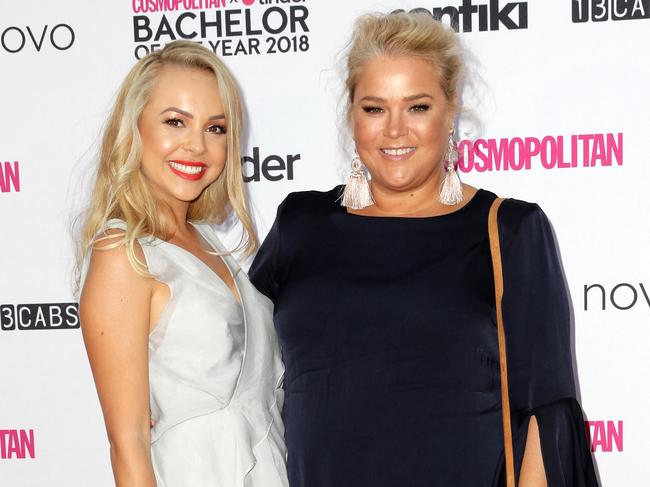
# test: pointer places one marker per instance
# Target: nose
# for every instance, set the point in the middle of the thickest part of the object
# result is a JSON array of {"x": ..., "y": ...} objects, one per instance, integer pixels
[
  {"x": 395, "y": 126},
  {"x": 195, "y": 141}
]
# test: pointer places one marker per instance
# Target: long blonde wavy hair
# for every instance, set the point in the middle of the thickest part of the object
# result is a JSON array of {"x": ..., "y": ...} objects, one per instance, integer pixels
[{"x": 121, "y": 190}]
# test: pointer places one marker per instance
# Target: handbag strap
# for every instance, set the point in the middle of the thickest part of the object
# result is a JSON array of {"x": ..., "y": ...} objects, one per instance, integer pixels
[{"x": 495, "y": 250}]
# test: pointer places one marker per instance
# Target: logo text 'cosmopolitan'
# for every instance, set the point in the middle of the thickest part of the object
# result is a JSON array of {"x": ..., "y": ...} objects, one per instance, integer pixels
[
  {"x": 260, "y": 29},
  {"x": 605, "y": 436},
  {"x": 17, "y": 444},
  {"x": 549, "y": 152},
  {"x": 9, "y": 177},
  {"x": 145, "y": 6}
]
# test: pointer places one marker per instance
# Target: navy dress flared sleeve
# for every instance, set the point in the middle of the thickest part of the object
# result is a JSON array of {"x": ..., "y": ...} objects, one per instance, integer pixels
[
  {"x": 388, "y": 334},
  {"x": 537, "y": 322}
]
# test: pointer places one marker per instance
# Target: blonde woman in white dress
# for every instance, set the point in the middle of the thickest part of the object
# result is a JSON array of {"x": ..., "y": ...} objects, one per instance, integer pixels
[{"x": 181, "y": 346}]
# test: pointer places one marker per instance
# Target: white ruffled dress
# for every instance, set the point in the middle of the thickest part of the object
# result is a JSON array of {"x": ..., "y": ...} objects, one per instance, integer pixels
[{"x": 215, "y": 376}]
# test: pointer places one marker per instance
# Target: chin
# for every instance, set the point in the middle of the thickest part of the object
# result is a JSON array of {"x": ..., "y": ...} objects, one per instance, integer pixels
[
  {"x": 190, "y": 197},
  {"x": 396, "y": 183},
  {"x": 186, "y": 195}
]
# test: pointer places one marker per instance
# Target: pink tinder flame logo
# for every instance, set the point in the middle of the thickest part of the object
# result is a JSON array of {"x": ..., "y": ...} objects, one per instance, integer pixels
[
  {"x": 17, "y": 444},
  {"x": 9, "y": 177},
  {"x": 605, "y": 436}
]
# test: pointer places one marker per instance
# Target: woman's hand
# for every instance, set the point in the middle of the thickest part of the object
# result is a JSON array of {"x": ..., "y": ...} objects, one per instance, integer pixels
[
  {"x": 532, "y": 466},
  {"x": 114, "y": 311}
]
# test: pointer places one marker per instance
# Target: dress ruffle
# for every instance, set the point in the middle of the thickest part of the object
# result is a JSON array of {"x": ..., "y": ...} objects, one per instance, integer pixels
[{"x": 223, "y": 445}]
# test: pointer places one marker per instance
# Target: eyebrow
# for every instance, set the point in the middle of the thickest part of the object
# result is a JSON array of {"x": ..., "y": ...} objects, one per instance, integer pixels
[
  {"x": 406, "y": 98},
  {"x": 189, "y": 115}
]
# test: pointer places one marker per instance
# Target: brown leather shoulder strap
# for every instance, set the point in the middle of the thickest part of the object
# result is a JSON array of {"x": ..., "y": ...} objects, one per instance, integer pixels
[{"x": 495, "y": 250}]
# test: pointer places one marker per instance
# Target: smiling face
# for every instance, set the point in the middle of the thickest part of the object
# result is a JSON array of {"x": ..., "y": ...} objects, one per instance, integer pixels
[
  {"x": 183, "y": 132},
  {"x": 401, "y": 120}
]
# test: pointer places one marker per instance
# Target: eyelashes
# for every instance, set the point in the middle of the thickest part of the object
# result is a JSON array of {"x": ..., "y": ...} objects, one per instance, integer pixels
[
  {"x": 216, "y": 129},
  {"x": 419, "y": 108},
  {"x": 174, "y": 122}
]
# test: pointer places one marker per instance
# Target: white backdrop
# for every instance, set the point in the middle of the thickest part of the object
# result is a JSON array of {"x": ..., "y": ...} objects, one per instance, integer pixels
[{"x": 564, "y": 105}]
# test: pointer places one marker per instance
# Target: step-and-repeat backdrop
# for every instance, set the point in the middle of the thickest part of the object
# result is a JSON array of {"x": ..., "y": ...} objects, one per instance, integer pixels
[{"x": 559, "y": 106}]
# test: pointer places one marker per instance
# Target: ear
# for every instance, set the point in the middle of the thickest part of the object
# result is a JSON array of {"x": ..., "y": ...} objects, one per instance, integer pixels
[
  {"x": 451, "y": 114},
  {"x": 453, "y": 107}
]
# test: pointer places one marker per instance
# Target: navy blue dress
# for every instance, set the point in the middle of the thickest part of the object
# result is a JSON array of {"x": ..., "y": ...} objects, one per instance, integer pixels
[{"x": 388, "y": 334}]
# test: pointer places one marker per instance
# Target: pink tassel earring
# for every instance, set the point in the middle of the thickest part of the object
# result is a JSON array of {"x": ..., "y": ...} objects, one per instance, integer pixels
[
  {"x": 451, "y": 192},
  {"x": 357, "y": 194}
]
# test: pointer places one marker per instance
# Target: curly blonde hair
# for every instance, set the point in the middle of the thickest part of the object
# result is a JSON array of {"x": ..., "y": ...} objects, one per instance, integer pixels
[
  {"x": 121, "y": 190},
  {"x": 400, "y": 33}
]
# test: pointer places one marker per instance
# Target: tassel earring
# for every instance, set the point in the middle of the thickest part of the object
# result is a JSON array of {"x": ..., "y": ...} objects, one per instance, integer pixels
[
  {"x": 451, "y": 192},
  {"x": 357, "y": 194}
]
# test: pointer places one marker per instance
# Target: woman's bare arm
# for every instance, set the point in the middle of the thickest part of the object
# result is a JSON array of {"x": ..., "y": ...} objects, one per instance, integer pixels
[
  {"x": 114, "y": 311},
  {"x": 532, "y": 466}
]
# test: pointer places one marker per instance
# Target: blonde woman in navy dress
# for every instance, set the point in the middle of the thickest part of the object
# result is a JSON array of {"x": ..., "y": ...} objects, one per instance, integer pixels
[
  {"x": 182, "y": 347},
  {"x": 385, "y": 306}
]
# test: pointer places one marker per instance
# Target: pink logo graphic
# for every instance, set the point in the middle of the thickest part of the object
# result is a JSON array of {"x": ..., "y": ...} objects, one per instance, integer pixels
[
  {"x": 9, "y": 177},
  {"x": 17, "y": 444},
  {"x": 248, "y": 3},
  {"x": 549, "y": 152},
  {"x": 147, "y": 6},
  {"x": 605, "y": 436}
]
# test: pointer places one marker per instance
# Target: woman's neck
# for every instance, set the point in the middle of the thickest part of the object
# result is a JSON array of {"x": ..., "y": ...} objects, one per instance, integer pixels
[
  {"x": 422, "y": 201},
  {"x": 178, "y": 224}
]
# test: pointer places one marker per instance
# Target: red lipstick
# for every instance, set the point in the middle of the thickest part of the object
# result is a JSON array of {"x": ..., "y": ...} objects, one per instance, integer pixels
[{"x": 193, "y": 174}]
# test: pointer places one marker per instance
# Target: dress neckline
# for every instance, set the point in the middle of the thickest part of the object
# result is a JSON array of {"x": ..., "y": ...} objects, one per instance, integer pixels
[
  {"x": 214, "y": 244},
  {"x": 222, "y": 253},
  {"x": 471, "y": 203}
]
